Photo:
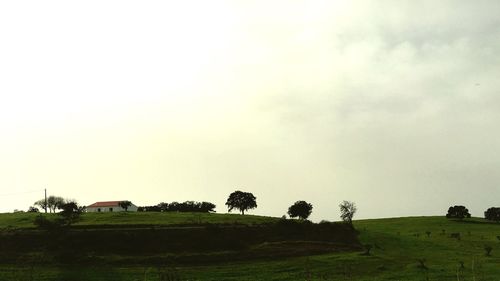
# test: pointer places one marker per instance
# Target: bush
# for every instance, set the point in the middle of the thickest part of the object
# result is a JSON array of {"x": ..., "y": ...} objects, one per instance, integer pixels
[
  {"x": 456, "y": 235},
  {"x": 51, "y": 225},
  {"x": 492, "y": 214},
  {"x": 70, "y": 213},
  {"x": 458, "y": 212},
  {"x": 488, "y": 250},
  {"x": 368, "y": 248},
  {"x": 421, "y": 264}
]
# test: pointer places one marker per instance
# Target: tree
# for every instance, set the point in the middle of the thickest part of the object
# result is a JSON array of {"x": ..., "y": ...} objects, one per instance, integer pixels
[
  {"x": 347, "y": 211},
  {"x": 300, "y": 209},
  {"x": 125, "y": 204},
  {"x": 163, "y": 207},
  {"x": 33, "y": 209},
  {"x": 187, "y": 206},
  {"x": 174, "y": 206},
  {"x": 70, "y": 212},
  {"x": 242, "y": 201},
  {"x": 52, "y": 203},
  {"x": 41, "y": 203},
  {"x": 458, "y": 212},
  {"x": 492, "y": 214},
  {"x": 207, "y": 207}
]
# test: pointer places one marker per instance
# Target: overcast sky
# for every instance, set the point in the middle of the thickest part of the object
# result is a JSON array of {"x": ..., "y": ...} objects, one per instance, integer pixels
[{"x": 394, "y": 105}]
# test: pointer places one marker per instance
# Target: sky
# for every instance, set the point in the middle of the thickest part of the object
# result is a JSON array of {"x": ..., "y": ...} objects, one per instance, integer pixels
[{"x": 394, "y": 105}]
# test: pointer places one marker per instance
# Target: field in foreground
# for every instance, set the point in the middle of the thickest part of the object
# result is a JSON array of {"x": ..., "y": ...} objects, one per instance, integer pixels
[{"x": 415, "y": 248}]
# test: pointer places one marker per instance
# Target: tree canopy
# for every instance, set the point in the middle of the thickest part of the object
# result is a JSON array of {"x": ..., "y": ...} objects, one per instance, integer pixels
[
  {"x": 53, "y": 203},
  {"x": 125, "y": 204},
  {"x": 187, "y": 206},
  {"x": 242, "y": 201},
  {"x": 300, "y": 209},
  {"x": 347, "y": 211},
  {"x": 458, "y": 212},
  {"x": 492, "y": 214},
  {"x": 70, "y": 212}
]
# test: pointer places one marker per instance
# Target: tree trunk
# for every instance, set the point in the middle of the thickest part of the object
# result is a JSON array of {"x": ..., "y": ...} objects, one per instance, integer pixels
[{"x": 242, "y": 212}]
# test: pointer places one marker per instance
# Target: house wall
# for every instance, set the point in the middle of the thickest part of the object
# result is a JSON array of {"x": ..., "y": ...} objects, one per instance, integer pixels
[{"x": 132, "y": 208}]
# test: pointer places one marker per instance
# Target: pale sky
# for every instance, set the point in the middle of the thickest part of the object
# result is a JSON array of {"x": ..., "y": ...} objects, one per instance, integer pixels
[{"x": 394, "y": 105}]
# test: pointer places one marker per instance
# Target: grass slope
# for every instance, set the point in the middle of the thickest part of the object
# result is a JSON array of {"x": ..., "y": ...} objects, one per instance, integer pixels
[
  {"x": 398, "y": 244},
  {"x": 137, "y": 219}
]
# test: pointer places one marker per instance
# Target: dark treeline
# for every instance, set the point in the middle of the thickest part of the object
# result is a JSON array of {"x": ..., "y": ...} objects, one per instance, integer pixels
[
  {"x": 188, "y": 206},
  {"x": 492, "y": 214}
]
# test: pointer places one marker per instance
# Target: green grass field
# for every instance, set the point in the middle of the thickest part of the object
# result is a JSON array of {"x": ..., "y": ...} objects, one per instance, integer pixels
[
  {"x": 398, "y": 245},
  {"x": 137, "y": 219}
]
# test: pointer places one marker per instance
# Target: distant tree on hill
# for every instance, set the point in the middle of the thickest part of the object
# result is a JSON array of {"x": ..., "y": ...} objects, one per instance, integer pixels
[
  {"x": 187, "y": 206},
  {"x": 492, "y": 214},
  {"x": 300, "y": 209},
  {"x": 207, "y": 207},
  {"x": 70, "y": 212},
  {"x": 55, "y": 202},
  {"x": 242, "y": 201},
  {"x": 347, "y": 211},
  {"x": 52, "y": 204},
  {"x": 458, "y": 212},
  {"x": 33, "y": 209},
  {"x": 174, "y": 206},
  {"x": 163, "y": 207},
  {"x": 125, "y": 204},
  {"x": 41, "y": 203}
]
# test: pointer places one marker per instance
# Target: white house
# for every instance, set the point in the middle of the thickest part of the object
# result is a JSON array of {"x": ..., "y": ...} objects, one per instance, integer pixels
[{"x": 109, "y": 206}]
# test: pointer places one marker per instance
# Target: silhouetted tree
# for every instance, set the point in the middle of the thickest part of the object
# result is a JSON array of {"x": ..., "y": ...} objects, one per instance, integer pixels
[
  {"x": 492, "y": 214},
  {"x": 300, "y": 209},
  {"x": 187, "y": 206},
  {"x": 33, "y": 209},
  {"x": 41, "y": 203},
  {"x": 125, "y": 204},
  {"x": 207, "y": 207},
  {"x": 163, "y": 206},
  {"x": 70, "y": 212},
  {"x": 53, "y": 203},
  {"x": 347, "y": 211},
  {"x": 82, "y": 209},
  {"x": 174, "y": 206},
  {"x": 458, "y": 212},
  {"x": 242, "y": 201}
]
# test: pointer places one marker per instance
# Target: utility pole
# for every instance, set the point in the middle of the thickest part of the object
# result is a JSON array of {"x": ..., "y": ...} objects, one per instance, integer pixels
[{"x": 45, "y": 200}]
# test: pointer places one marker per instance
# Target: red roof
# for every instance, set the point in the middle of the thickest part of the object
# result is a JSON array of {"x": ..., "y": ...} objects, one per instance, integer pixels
[{"x": 105, "y": 204}]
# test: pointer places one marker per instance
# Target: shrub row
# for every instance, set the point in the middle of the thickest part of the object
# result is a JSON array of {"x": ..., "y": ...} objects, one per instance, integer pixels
[{"x": 188, "y": 206}]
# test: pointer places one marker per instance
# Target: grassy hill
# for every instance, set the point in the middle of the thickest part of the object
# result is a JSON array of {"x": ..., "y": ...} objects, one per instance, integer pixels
[
  {"x": 414, "y": 248},
  {"x": 137, "y": 219}
]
